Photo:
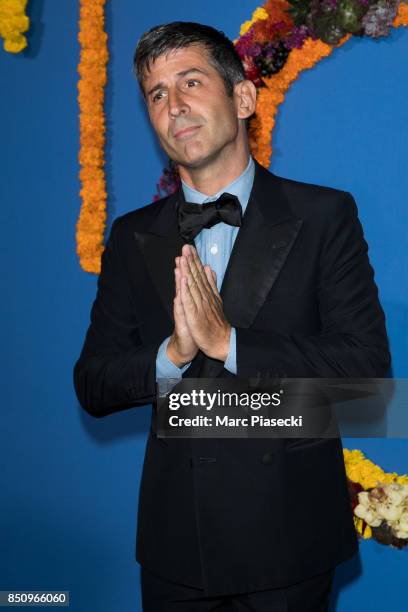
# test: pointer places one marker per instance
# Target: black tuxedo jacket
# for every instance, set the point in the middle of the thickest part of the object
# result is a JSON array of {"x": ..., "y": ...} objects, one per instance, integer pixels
[{"x": 235, "y": 515}]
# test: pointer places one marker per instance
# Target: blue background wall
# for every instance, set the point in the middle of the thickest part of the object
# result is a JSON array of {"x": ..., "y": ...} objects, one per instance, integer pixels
[{"x": 69, "y": 483}]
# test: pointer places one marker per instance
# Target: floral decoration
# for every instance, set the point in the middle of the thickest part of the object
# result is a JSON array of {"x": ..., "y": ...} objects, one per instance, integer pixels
[
  {"x": 379, "y": 500},
  {"x": 13, "y": 23},
  {"x": 91, "y": 94}
]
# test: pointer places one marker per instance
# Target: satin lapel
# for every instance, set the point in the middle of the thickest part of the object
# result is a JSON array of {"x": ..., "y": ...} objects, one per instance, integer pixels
[
  {"x": 262, "y": 246},
  {"x": 159, "y": 247}
]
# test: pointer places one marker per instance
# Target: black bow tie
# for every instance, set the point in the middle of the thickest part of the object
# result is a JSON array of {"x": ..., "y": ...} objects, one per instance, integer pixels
[{"x": 192, "y": 218}]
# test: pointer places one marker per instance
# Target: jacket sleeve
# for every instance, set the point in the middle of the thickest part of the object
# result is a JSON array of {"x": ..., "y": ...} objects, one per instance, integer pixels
[
  {"x": 115, "y": 371},
  {"x": 353, "y": 340}
]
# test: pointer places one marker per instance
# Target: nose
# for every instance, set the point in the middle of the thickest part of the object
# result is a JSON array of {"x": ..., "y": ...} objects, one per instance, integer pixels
[{"x": 177, "y": 104}]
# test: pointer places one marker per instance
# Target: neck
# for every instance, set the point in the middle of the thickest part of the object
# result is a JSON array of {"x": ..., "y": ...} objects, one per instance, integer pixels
[{"x": 217, "y": 173}]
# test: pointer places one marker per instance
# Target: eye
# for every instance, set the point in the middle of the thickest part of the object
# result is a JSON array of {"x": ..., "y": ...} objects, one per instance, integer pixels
[
  {"x": 192, "y": 82},
  {"x": 157, "y": 96}
]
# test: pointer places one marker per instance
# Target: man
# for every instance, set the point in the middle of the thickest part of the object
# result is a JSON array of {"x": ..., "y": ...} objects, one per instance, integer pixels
[{"x": 271, "y": 279}]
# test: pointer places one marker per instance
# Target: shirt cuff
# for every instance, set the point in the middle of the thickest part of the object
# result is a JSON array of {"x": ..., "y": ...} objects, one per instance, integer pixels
[
  {"x": 166, "y": 368},
  {"x": 231, "y": 360}
]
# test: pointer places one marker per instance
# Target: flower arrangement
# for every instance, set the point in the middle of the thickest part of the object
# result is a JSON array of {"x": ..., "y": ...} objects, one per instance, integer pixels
[
  {"x": 379, "y": 500},
  {"x": 385, "y": 510},
  {"x": 13, "y": 23}
]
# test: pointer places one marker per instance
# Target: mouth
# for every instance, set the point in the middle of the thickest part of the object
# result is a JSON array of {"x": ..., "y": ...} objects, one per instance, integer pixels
[{"x": 186, "y": 132}]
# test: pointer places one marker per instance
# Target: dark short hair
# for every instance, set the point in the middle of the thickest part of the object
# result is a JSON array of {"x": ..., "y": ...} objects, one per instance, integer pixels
[{"x": 179, "y": 34}]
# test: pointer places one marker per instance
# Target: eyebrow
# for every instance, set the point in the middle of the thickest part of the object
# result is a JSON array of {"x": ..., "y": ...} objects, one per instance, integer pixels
[{"x": 179, "y": 74}]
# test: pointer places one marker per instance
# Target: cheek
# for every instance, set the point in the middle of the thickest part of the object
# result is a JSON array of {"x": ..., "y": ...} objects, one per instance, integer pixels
[
  {"x": 225, "y": 118},
  {"x": 159, "y": 122},
  {"x": 161, "y": 128},
  {"x": 226, "y": 129}
]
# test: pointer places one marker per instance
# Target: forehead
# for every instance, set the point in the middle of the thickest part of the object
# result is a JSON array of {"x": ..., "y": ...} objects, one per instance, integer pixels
[{"x": 177, "y": 60}]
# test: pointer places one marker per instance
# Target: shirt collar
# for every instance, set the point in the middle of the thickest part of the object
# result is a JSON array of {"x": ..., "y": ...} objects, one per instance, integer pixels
[{"x": 240, "y": 187}]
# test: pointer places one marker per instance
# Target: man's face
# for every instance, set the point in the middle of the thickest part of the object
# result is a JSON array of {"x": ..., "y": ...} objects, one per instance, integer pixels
[{"x": 194, "y": 118}]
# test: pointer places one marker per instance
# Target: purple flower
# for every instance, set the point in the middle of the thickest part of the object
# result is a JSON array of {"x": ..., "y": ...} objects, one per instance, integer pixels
[
  {"x": 244, "y": 44},
  {"x": 297, "y": 37},
  {"x": 255, "y": 50},
  {"x": 168, "y": 183}
]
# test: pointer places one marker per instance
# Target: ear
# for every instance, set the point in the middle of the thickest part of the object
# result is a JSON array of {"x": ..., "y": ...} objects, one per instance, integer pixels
[{"x": 245, "y": 99}]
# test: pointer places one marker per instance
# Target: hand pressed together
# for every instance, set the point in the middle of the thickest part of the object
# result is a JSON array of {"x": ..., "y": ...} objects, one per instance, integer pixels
[{"x": 200, "y": 322}]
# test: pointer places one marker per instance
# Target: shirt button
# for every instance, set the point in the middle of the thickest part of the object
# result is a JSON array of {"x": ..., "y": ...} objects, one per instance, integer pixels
[{"x": 214, "y": 249}]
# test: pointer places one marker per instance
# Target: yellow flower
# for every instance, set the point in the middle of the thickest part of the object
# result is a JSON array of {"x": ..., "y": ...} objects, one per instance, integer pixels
[
  {"x": 257, "y": 15},
  {"x": 13, "y": 22},
  {"x": 358, "y": 524},
  {"x": 368, "y": 474}
]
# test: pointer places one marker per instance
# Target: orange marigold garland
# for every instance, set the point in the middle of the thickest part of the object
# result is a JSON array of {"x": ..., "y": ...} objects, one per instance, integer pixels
[
  {"x": 305, "y": 53},
  {"x": 91, "y": 94},
  {"x": 401, "y": 18},
  {"x": 273, "y": 95}
]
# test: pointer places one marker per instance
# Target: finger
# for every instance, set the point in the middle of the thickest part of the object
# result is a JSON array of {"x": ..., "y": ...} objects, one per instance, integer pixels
[
  {"x": 216, "y": 302},
  {"x": 199, "y": 275},
  {"x": 196, "y": 265},
  {"x": 177, "y": 279},
  {"x": 178, "y": 305},
  {"x": 196, "y": 293},
  {"x": 188, "y": 302},
  {"x": 212, "y": 279},
  {"x": 180, "y": 318},
  {"x": 208, "y": 274}
]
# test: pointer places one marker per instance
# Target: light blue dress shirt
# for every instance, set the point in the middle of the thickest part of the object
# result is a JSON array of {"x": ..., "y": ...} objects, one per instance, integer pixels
[{"x": 214, "y": 246}]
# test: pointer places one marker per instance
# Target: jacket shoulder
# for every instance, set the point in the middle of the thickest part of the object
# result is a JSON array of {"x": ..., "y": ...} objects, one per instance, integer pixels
[
  {"x": 312, "y": 199},
  {"x": 141, "y": 218}
]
